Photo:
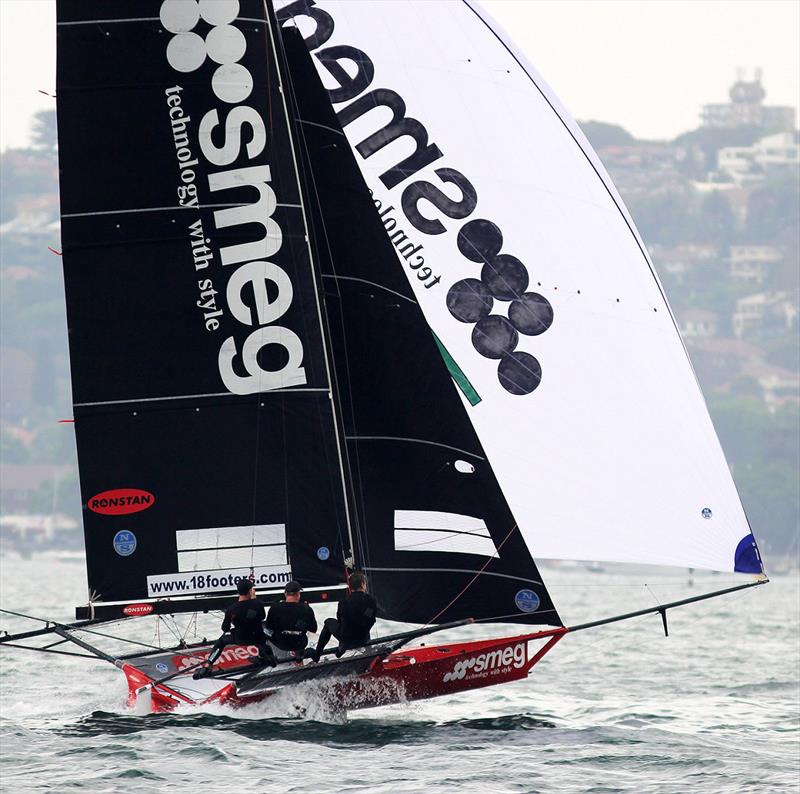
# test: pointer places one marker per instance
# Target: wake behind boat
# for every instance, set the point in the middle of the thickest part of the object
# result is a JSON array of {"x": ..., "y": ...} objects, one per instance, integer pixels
[{"x": 303, "y": 319}]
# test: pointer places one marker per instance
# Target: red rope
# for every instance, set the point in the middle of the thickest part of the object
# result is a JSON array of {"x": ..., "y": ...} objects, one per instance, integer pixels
[{"x": 472, "y": 581}]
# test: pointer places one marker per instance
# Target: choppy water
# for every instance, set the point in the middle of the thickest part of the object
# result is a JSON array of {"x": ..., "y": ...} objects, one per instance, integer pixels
[{"x": 713, "y": 708}]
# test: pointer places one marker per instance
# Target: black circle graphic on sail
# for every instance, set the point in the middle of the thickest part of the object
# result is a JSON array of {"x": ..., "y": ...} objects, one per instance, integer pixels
[
  {"x": 469, "y": 300},
  {"x": 532, "y": 314},
  {"x": 494, "y": 336},
  {"x": 519, "y": 373}
]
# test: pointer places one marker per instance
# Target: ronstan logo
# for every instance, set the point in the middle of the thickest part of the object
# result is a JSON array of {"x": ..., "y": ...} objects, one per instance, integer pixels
[
  {"x": 121, "y": 501},
  {"x": 134, "y": 610}
]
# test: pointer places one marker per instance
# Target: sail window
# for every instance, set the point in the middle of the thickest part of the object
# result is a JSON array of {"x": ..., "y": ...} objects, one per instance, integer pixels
[
  {"x": 464, "y": 467},
  {"x": 425, "y": 530},
  {"x": 231, "y": 547}
]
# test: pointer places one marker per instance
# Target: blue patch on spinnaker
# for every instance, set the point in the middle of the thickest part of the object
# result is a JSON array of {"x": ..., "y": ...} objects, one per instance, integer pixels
[{"x": 747, "y": 559}]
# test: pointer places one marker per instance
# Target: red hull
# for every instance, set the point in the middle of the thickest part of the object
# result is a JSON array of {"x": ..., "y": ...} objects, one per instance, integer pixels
[{"x": 406, "y": 675}]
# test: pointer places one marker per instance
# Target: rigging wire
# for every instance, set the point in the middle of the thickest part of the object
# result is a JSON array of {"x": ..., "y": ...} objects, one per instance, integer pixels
[{"x": 469, "y": 584}]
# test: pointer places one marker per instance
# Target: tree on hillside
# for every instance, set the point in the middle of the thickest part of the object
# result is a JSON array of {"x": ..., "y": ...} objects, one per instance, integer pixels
[
  {"x": 44, "y": 132},
  {"x": 717, "y": 220},
  {"x": 602, "y": 134},
  {"x": 773, "y": 210}
]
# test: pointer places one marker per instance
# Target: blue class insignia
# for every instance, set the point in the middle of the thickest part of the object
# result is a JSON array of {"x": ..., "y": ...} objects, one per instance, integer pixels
[
  {"x": 162, "y": 668},
  {"x": 323, "y": 552},
  {"x": 124, "y": 543},
  {"x": 526, "y": 601}
]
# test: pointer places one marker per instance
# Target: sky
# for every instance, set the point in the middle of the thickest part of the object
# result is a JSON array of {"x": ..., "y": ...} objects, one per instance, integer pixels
[{"x": 645, "y": 64}]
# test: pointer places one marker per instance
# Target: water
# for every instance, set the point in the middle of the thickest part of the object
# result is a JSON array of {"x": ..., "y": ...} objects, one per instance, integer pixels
[{"x": 713, "y": 708}]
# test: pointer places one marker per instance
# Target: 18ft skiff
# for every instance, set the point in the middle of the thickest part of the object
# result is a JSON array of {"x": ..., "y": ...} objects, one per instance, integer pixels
[{"x": 347, "y": 287}]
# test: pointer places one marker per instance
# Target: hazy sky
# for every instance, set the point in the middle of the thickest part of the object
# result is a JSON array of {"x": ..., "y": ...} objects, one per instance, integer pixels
[{"x": 645, "y": 64}]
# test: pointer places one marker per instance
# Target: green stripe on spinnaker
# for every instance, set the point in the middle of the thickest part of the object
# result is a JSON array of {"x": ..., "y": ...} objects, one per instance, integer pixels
[{"x": 457, "y": 374}]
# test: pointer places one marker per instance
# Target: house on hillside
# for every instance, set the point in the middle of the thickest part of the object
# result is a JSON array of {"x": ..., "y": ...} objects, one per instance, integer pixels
[
  {"x": 20, "y": 481},
  {"x": 16, "y": 383},
  {"x": 779, "y": 386},
  {"x": 718, "y": 361},
  {"x": 773, "y": 155},
  {"x": 680, "y": 260},
  {"x": 750, "y": 264},
  {"x": 35, "y": 215},
  {"x": 764, "y": 312},
  {"x": 698, "y": 324}
]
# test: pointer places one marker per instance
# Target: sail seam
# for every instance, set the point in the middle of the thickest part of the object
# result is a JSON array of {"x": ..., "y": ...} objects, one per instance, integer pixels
[
  {"x": 107, "y": 21},
  {"x": 194, "y": 396},
  {"x": 139, "y": 19},
  {"x": 459, "y": 570},
  {"x": 321, "y": 126},
  {"x": 371, "y": 283},
  {"x": 414, "y": 441},
  {"x": 162, "y": 209}
]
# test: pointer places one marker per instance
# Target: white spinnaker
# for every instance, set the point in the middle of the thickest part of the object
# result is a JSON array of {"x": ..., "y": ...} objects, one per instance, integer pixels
[{"x": 614, "y": 456}]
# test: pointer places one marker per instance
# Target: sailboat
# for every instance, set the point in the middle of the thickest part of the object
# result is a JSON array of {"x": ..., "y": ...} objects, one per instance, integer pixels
[{"x": 347, "y": 288}]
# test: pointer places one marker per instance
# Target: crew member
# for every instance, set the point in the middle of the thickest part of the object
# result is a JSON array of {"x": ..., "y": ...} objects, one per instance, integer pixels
[
  {"x": 244, "y": 617},
  {"x": 290, "y": 621},
  {"x": 354, "y": 618}
]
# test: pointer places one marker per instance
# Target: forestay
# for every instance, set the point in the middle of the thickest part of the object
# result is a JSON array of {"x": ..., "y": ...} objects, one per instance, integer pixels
[{"x": 529, "y": 270}]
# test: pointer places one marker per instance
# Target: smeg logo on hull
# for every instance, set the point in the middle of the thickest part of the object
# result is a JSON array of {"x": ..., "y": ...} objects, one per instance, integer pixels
[{"x": 121, "y": 501}]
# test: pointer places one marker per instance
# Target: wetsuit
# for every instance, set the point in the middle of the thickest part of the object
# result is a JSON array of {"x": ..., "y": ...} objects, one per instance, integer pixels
[
  {"x": 245, "y": 618},
  {"x": 289, "y": 621},
  {"x": 354, "y": 618}
]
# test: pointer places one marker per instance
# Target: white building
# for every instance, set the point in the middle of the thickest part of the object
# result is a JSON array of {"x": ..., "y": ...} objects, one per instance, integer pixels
[
  {"x": 770, "y": 155},
  {"x": 764, "y": 311},
  {"x": 749, "y": 264},
  {"x": 698, "y": 324}
]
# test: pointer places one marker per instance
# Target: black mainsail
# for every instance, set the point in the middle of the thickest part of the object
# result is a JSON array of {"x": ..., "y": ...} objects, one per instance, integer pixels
[{"x": 206, "y": 438}]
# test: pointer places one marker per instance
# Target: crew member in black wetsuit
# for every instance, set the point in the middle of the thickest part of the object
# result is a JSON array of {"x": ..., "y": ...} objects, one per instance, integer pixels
[
  {"x": 290, "y": 621},
  {"x": 245, "y": 617},
  {"x": 354, "y": 618}
]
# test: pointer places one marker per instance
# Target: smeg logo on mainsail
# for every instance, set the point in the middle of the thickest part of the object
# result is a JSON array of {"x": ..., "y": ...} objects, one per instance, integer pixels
[
  {"x": 224, "y": 45},
  {"x": 503, "y": 277}
]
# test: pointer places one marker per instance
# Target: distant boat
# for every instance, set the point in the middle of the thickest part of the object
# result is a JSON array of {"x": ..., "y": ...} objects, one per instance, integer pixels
[{"x": 303, "y": 343}]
